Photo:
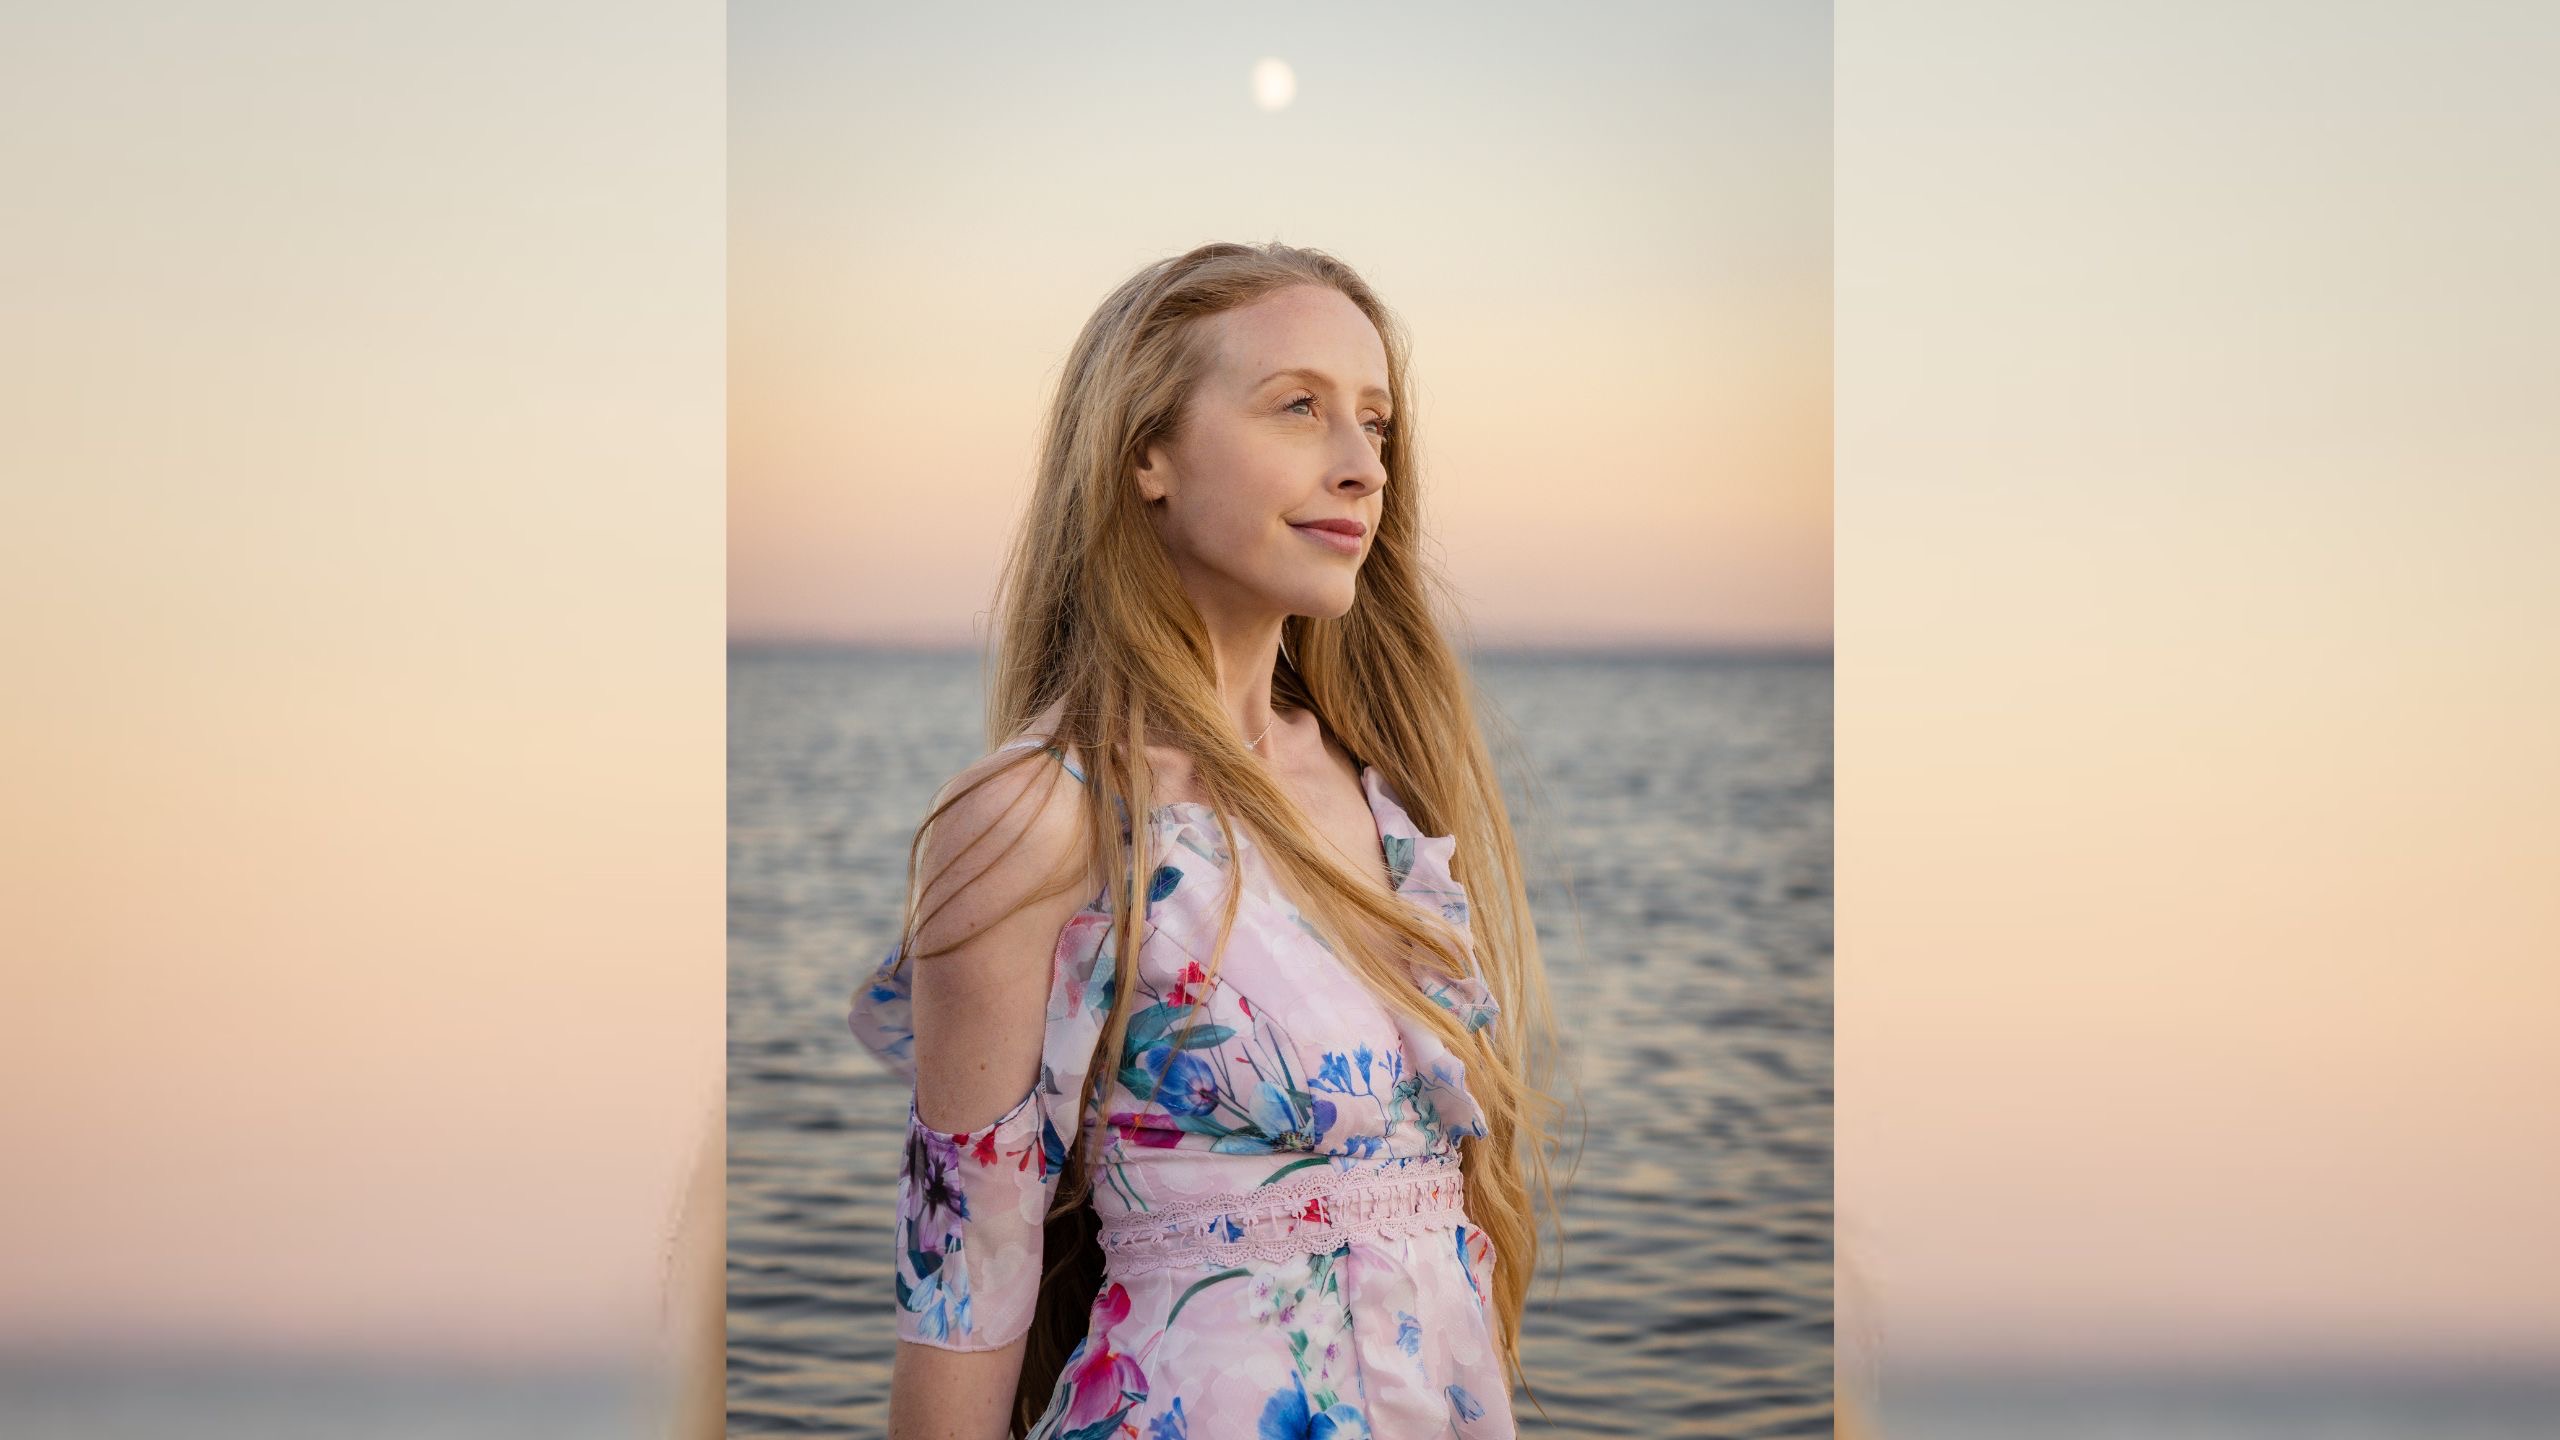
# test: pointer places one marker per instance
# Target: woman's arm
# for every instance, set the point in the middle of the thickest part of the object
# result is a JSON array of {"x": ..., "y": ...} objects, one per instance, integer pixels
[
  {"x": 937, "y": 1394},
  {"x": 1003, "y": 871}
]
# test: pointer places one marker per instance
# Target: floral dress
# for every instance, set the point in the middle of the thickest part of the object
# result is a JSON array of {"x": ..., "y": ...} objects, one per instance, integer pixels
[{"x": 1286, "y": 1250}]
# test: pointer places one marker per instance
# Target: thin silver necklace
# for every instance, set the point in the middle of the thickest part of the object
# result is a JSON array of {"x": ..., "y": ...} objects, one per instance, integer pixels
[{"x": 1265, "y": 735}]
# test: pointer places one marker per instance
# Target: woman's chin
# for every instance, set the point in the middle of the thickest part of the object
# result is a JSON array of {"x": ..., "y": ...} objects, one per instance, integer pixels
[{"x": 1329, "y": 606}]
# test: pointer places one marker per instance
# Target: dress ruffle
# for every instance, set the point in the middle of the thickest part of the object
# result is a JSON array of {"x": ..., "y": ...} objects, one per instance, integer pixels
[
  {"x": 883, "y": 1018},
  {"x": 1422, "y": 875}
]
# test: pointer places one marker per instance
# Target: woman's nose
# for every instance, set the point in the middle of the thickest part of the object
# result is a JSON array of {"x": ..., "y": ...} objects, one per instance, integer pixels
[{"x": 1364, "y": 467}]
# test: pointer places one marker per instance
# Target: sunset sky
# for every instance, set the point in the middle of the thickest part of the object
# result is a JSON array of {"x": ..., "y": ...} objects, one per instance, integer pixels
[{"x": 1611, "y": 245}]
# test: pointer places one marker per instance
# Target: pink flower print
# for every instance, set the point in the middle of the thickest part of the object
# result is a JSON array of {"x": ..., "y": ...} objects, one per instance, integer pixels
[
  {"x": 1083, "y": 937},
  {"x": 1132, "y": 1129},
  {"x": 1104, "y": 1381}
]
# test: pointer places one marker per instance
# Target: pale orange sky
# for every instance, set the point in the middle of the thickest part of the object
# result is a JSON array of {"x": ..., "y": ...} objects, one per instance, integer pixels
[
  {"x": 2197, "y": 917},
  {"x": 1611, "y": 245},
  {"x": 360, "y": 886}
]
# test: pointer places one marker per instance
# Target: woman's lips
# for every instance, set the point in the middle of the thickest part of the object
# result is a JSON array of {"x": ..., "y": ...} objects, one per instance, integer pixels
[{"x": 1333, "y": 540}]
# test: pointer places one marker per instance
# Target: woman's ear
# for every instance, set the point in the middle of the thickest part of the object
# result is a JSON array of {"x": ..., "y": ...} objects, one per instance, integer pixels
[{"x": 1155, "y": 474}]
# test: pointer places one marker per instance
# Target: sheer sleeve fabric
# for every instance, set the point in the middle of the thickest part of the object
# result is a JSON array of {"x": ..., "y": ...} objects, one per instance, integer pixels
[
  {"x": 972, "y": 1204},
  {"x": 971, "y": 1207}
]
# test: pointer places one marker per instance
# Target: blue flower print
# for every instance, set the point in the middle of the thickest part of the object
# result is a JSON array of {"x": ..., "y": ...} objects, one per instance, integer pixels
[
  {"x": 1290, "y": 1119},
  {"x": 1334, "y": 1074},
  {"x": 1465, "y": 1266},
  {"x": 937, "y": 1312},
  {"x": 1170, "y": 1425},
  {"x": 1183, "y": 1082},
  {"x": 1287, "y": 1416},
  {"x": 1408, "y": 1334},
  {"x": 1284, "y": 1415},
  {"x": 1467, "y": 1406}
]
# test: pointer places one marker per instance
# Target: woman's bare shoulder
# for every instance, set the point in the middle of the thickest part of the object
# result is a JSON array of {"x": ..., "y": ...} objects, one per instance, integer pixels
[
  {"x": 1001, "y": 870},
  {"x": 1010, "y": 821}
]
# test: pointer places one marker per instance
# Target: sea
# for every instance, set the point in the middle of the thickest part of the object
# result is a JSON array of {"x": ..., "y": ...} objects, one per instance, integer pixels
[{"x": 1675, "y": 813}]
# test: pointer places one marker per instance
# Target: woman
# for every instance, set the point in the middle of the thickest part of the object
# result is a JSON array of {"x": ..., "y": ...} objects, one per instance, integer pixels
[{"x": 1299, "y": 1200}]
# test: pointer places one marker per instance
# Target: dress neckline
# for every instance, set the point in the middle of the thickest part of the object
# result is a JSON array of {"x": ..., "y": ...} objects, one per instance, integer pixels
[
  {"x": 1373, "y": 793},
  {"x": 1386, "y": 814},
  {"x": 1203, "y": 806}
]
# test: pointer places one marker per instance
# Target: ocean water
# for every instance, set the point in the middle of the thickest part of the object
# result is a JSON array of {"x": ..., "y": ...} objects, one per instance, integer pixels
[{"x": 1679, "y": 839}]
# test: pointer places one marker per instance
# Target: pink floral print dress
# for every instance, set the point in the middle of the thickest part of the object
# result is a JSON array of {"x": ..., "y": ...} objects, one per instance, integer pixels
[{"x": 1285, "y": 1245}]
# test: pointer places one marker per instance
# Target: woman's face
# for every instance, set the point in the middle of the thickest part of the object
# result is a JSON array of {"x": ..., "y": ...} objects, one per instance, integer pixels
[{"x": 1286, "y": 428}]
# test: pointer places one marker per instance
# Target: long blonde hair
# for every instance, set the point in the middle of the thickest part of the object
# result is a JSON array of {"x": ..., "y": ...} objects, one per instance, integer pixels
[{"x": 1092, "y": 621}]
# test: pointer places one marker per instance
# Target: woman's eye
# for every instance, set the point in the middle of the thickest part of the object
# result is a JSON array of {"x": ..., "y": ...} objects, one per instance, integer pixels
[{"x": 1382, "y": 427}]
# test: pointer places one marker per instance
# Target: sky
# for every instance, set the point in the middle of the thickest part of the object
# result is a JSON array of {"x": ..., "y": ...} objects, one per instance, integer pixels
[
  {"x": 1610, "y": 244},
  {"x": 2195, "y": 682},
  {"x": 362, "y": 880}
]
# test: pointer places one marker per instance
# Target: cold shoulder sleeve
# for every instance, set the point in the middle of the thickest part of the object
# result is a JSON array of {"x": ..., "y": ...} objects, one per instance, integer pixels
[{"x": 973, "y": 1204}]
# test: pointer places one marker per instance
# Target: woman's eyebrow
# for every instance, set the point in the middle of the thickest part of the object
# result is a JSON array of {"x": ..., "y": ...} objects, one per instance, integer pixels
[{"x": 1317, "y": 378}]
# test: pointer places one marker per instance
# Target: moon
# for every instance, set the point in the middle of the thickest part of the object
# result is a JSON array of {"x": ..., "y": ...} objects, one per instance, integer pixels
[{"x": 1274, "y": 84}]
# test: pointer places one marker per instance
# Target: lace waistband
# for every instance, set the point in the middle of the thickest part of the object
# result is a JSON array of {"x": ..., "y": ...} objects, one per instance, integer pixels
[{"x": 1313, "y": 1211}]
